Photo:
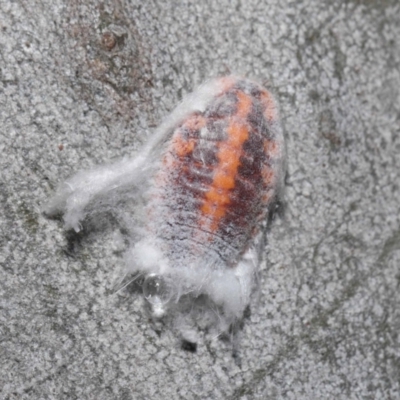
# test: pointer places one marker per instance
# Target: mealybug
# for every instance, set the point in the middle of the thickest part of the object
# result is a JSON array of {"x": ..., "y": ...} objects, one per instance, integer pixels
[{"x": 195, "y": 200}]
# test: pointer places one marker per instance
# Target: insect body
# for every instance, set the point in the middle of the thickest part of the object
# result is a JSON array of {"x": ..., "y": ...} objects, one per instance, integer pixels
[{"x": 207, "y": 181}]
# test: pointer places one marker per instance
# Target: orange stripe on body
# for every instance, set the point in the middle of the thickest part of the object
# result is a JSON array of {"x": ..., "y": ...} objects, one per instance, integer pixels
[
  {"x": 183, "y": 147},
  {"x": 179, "y": 147},
  {"x": 217, "y": 198}
]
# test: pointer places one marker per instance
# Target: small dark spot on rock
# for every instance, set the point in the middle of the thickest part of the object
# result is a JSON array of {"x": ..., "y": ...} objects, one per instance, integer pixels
[
  {"x": 333, "y": 138},
  {"x": 314, "y": 95},
  {"x": 247, "y": 313},
  {"x": 108, "y": 40},
  {"x": 328, "y": 130},
  {"x": 61, "y": 147},
  {"x": 189, "y": 346}
]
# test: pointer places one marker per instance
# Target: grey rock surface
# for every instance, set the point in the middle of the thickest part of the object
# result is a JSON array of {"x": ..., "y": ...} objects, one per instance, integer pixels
[{"x": 83, "y": 82}]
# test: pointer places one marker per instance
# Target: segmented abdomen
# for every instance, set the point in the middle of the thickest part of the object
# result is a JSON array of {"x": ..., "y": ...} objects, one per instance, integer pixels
[{"x": 218, "y": 176}]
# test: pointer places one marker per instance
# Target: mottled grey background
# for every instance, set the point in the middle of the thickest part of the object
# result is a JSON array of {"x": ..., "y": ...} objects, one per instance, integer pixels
[{"x": 84, "y": 82}]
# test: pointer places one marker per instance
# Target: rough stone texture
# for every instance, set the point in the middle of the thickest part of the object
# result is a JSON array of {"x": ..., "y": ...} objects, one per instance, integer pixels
[{"x": 83, "y": 82}]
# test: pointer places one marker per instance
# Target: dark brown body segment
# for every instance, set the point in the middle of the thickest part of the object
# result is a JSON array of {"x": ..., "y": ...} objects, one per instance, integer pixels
[{"x": 218, "y": 176}]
